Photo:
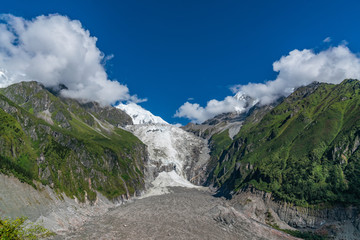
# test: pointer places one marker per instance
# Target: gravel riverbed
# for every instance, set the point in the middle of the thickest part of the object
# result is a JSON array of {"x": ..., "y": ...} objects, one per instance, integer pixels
[{"x": 184, "y": 213}]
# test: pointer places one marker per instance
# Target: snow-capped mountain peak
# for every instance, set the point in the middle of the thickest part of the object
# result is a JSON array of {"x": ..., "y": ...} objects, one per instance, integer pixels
[
  {"x": 247, "y": 100},
  {"x": 140, "y": 115}
]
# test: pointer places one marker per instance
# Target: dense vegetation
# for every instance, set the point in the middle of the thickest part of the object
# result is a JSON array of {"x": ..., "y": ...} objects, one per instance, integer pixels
[
  {"x": 305, "y": 150},
  {"x": 75, "y": 148},
  {"x": 19, "y": 230}
]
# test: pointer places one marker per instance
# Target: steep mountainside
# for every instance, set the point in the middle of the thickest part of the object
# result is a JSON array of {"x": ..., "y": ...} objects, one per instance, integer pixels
[
  {"x": 76, "y": 148},
  {"x": 221, "y": 130},
  {"x": 305, "y": 150}
]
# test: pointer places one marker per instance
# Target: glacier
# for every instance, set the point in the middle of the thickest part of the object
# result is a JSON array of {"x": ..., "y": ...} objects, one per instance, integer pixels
[
  {"x": 172, "y": 156},
  {"x": 175, "y": 156},
  {"x": 140, "y": 115}
]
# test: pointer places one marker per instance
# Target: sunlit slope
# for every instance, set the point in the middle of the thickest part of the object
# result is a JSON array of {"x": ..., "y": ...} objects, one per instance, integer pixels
[
  {"x": 305, "y": 150},
  {"x": 75, "y": 148}
]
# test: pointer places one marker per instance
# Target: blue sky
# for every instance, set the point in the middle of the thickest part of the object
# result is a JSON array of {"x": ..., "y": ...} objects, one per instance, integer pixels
[{"x": 170, "y": 51}]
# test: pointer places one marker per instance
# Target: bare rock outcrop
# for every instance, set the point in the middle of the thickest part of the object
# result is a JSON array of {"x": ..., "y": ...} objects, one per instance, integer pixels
[{"x": 338, "y": 222}]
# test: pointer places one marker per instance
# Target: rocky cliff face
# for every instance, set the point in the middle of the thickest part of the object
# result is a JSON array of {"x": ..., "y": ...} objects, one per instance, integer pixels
[
  {"x": 221, "y": 130},
  {"x": 223, "y": 122},
  {"x": 335, "y": 222}
]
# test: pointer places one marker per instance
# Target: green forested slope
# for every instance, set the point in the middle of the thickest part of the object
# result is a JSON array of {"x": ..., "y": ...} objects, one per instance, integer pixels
[
  {"x": 75, "y": 148},
  {"x": 305, "y": 150}
]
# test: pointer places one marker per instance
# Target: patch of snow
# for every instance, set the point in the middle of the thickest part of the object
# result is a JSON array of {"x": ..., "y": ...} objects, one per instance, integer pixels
[
  {"x": 234, "y": 129},
  {"x": 45, "y": 115},
  {"x": 107, "y": 128},
  {"x": 140, "y": 115}
]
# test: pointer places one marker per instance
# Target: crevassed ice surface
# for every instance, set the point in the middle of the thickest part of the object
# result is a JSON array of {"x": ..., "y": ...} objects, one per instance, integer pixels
[{"x": 169, "y": 150}]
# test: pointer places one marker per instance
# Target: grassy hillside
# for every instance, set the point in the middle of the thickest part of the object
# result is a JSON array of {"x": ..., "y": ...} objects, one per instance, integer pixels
[
  {"x": 66, "y": 145},
  {"x": 305, "y": 150}
]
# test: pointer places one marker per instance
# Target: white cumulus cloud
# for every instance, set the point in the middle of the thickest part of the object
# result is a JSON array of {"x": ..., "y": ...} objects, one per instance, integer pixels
[
  {"x": 296, "y": 69},
  {"x": 56, "y": 50},
  {"x": 198, "y": 114}
]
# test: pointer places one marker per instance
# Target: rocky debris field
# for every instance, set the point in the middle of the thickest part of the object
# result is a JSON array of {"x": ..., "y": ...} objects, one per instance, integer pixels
[{"x": 184, "y": 213}]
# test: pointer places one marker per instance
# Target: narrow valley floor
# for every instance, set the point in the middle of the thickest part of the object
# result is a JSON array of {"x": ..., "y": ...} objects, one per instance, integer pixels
[{"x": 184, "y": 213}]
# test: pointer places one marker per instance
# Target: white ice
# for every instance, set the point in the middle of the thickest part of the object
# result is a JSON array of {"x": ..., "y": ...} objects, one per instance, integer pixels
[{"x": 168, "y": 145}]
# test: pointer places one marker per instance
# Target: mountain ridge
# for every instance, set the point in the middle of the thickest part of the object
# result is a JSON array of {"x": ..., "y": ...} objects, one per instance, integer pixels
[
  {"x": 303, "y": 113},
  {"x": 68, "y": 146}
]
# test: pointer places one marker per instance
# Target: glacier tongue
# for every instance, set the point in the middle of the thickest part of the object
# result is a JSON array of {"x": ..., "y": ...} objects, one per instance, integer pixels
[{"x": 175, "y": 156}]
